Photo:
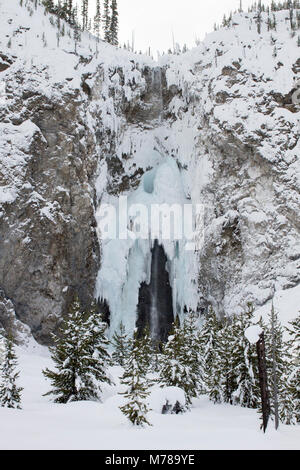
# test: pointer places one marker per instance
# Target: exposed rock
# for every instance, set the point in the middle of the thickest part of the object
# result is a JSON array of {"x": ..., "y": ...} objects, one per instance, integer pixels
[
  {"x": 48, "y": 243},
  {"x": 10, "y": 323}
]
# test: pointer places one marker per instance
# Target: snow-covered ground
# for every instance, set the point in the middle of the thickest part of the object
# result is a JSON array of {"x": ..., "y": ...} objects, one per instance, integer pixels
[{"x": 89, "y": 425}]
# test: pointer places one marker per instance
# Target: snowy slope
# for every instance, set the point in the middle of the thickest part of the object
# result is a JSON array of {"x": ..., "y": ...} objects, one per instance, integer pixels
[{"x": 90, "y": 425}]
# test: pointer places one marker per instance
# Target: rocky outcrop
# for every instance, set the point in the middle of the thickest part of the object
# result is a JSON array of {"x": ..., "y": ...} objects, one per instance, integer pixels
[
  {"x": 48, "y": 242},
  {"x": 10, "y": 323}
]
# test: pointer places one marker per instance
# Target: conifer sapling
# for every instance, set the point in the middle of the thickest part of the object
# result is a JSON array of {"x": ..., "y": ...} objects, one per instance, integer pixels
[{"x": 10, "y": 393}]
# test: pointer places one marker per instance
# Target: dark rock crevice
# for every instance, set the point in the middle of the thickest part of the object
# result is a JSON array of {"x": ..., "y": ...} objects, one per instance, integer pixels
[{"x": 155, "y": 307}]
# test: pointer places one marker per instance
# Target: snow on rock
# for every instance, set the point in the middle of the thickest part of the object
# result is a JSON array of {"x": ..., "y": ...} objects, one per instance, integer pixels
[
  {"x": 286, "y": 304},
  {"x": 15, "y": 143},
  {"x": 169, "y": 396},
  {"x": 252, "y": 333}
]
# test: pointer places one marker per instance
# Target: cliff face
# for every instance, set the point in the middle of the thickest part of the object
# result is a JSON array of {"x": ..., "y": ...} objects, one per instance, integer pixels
[
  {"x": 48, "y": 242},
  {"x": 218, "y": 124}
]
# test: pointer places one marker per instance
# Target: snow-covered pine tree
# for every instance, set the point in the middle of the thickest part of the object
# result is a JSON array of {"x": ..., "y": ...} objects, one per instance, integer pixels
[
  {"x": 135, "y": 380},
  {"x": 157, "y": 355},
  {"x": 2, "y": 345},
  {"x": 288, "y": 398},
  {"x": 259, "y": 18},
  {"x": 289, "y": 409},
  {"x": 85, "y": 14},
  {"x": 209, "y": 341},
  {"x": 291, "y": 14},
  {"x": 106, "y": 21},
  {"x": 76, "y": 33},
  {"x": 146, "y": 349},
  {"x": 263, "y": 367},
  {"x": 60, "y": 12},
  {"x": 214, "y": 373},
  {"x": 177, "y": 370},
  {"x": 49, "y": 4},
  {"x": 98, "y": 359},
  {"x": 225, "y": 380},
  {"x": 69, "y": 10},
  {"x": 120, "y": 344},
  {"x": 114, "y": 23},
  {"x": 244, "y": 360},
  {"x": 10, "y": 393},
  {"x": 201, "y": 340},
  {"x": 97, "y": 20},
  {"x": 191, "y": 335},
  {"x": 224, "y": 22},
  {"x": 276, "y": 363},
  {"x": 76, "y": 369}
]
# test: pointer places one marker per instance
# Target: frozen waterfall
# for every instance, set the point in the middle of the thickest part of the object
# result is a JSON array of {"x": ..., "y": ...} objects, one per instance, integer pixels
[{"x": 146, "y": 279}]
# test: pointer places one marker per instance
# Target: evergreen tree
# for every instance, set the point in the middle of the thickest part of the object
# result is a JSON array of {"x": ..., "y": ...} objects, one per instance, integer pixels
[
  {"x": 209, "y": 344},
  {"x": 61, "y": 11},
  {"x": 224, "y": 22},
  {"x": 134, "y": 378},
  {"x": 289, "y": 394},
  {"x": 244, "y": 358},
  {"x": 120, "y": 344},
  {"x": 85, "y": 14},
  {"x": 226, "y": 362},
  {"x": 259, "y": 21},
  {"x": 76, "y": 34},
  {"x": 177, "y": 367},
  {"x": 263, "y": 368},
  {"x": 290, "y": 401},
  {"x": 214, "y": 372},
  {"x": 69, "y": 11},
  {"x": 114, "y": 23},
  {"x": 201, "y": 346},
  {"x": 157, "y": 356},
  {"x": 146, "y": 350},
  {"x": 230, "y": 360},
  {"x": 49, "y": 5},
  {"x": 2, "y": 345},
  {"x": 277, "y": 364},
  {"x": 79, "y": 356},
  {"x": 10, "y": 393},
  {"x": 194, "y": 357},
  {"x": 97, "y": 348},
  {"x": 291, "y": 12},
  {"x": 97, "y": 20},
  {"x": 106, "y": 21}
]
